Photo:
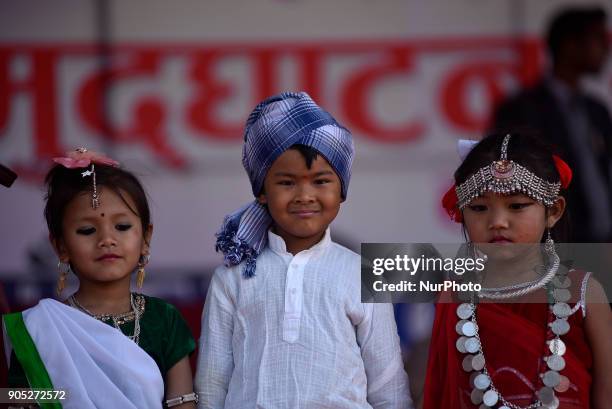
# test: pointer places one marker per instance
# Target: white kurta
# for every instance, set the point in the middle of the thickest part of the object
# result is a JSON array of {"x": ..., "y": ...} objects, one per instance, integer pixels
[{"x": 297, "y": 336}]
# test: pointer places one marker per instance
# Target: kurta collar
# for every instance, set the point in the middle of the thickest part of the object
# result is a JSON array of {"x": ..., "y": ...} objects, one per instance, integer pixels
[{"x": 277, "y": 244}]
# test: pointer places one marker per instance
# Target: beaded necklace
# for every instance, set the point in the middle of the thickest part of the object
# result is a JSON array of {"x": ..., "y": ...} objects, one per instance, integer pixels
[{"x": 137, "y": 309}]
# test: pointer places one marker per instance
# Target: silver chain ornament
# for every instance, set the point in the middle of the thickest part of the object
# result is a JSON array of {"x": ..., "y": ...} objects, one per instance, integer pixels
[
  {"x": 117, "y": 319},
  {"x": 505, "y": 176},
  {"x": 485, "y": 393}
]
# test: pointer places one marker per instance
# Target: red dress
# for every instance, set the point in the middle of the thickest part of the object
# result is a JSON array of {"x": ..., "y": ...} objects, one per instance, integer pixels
[{"x": 513, "y": 341}]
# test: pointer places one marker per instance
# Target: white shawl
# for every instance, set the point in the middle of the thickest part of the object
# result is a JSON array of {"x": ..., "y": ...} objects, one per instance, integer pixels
[{"x": 95, "y": 363}]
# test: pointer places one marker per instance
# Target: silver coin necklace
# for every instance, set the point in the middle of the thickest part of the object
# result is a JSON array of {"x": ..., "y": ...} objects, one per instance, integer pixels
[{"x": 484, "y": 392}]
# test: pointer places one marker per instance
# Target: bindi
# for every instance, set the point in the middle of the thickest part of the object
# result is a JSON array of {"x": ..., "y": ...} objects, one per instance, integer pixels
[{"x": 102, "y": 214}]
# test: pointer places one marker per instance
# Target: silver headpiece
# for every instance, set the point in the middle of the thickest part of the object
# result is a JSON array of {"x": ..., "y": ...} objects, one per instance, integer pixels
[
  {"x": 84, "y": 158},
  {"x": 95, "y": 198},
  {"x": 506, "y": 177}
]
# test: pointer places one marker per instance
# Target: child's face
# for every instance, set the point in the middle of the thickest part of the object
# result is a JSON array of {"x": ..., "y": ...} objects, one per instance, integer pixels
[
  {"x": 104, "y": 244},
  {"x": 302, "y": 201},
  {"x": 495, "y": 219}
]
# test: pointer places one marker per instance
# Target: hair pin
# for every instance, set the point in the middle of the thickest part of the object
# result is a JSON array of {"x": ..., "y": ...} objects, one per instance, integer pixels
[{"x": 83, "y": 158}]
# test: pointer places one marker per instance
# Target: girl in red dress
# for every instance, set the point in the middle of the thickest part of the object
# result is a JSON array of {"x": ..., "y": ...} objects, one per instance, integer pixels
[{"x": 537, "y": 335}]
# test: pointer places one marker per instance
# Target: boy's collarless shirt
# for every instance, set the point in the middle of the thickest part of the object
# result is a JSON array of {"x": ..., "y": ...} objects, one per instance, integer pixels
[{"x": 296, "y": 335}]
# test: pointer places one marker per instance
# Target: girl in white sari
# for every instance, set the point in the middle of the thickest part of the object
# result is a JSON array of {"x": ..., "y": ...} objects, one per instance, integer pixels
[{"x": 105, "y": 346}]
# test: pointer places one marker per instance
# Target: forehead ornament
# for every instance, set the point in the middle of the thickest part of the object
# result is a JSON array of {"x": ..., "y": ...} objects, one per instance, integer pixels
[
  {"x": 84, "y": 158},
  {"x": 506, "y": 177}
]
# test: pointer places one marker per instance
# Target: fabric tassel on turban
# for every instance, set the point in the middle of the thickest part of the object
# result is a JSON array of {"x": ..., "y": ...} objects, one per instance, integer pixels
[{"x": 274, "y": 126}]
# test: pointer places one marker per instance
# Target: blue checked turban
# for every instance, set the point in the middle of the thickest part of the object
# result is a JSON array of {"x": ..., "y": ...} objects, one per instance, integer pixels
[{"x": 273, "y": 127}]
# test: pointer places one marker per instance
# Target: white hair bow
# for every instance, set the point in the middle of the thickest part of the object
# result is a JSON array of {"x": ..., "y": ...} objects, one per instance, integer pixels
[{"x": 464, "y": 146}]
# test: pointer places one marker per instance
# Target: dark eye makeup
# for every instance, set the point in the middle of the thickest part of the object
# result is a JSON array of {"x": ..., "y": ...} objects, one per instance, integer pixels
[
  {"x": 86, "y": 231},
  {"x": 519, "y": 206}
]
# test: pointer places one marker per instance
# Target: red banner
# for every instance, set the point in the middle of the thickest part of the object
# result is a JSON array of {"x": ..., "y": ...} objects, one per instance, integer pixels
[{"x": 113, "y": 72}]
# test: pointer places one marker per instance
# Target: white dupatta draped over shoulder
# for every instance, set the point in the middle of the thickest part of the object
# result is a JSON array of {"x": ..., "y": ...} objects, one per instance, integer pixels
[{"x": 94, "y": 363}]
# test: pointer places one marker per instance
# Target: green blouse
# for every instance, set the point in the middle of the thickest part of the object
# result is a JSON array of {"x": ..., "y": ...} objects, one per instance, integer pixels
[{"x": 164, "y": 335}]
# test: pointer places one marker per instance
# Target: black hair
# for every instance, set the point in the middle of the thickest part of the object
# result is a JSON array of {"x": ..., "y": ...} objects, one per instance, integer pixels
[
  {"x": 309, "y": 154},
  {"x": 526, "y": 149},
  {"x": 572, "y": 23},
  {"x": 65, "y": 184}
]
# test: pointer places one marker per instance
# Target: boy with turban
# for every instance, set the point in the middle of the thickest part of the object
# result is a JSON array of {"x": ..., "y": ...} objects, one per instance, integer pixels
[{"x": 283, "y": 325}]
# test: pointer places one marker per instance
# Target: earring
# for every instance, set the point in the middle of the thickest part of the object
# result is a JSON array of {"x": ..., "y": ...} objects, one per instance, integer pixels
[
  {"x": 140, "y": 275},
  {"x": 549, "y": 247},
  {"x": 549, "y": 244},
  {"x": 63, "y": 270}
]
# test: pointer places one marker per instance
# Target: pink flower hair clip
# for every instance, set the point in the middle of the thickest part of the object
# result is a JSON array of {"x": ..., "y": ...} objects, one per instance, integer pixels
[{"x": 82, "y": 158}]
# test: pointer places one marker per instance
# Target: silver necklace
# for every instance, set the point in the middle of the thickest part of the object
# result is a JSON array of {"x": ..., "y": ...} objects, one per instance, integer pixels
[
  {"x": 522, "y": 289},
  {"x": 117, "y": 318},
  {"x": 469, "y": 343},
  {"x": 516, "y": 286}
]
